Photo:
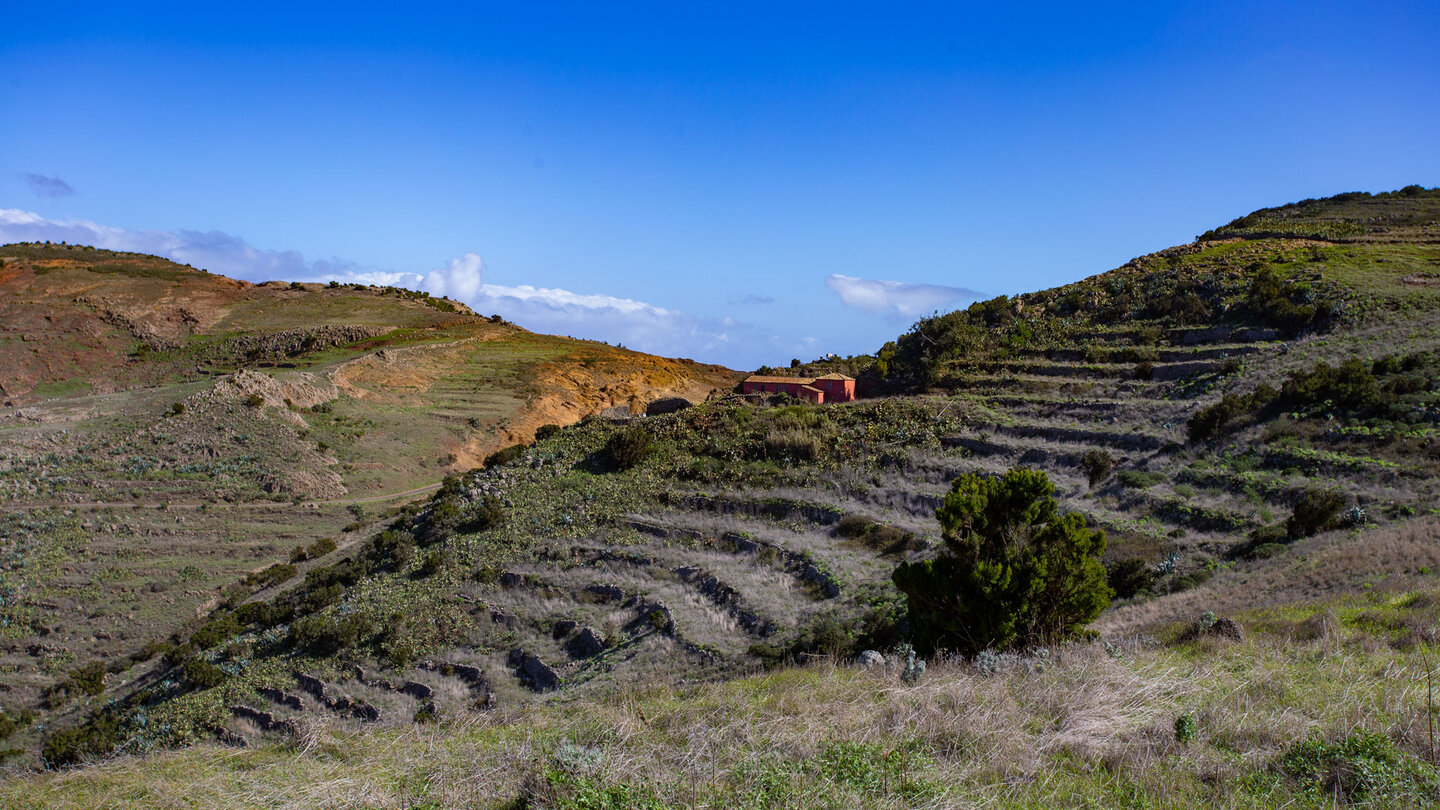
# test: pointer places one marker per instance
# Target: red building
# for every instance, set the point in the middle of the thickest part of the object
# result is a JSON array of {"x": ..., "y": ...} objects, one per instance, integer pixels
[{"x": 819, "y": 390}]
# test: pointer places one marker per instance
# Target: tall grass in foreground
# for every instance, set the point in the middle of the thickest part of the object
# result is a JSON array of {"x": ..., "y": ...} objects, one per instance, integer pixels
[{"x": 1089, "y": 725}]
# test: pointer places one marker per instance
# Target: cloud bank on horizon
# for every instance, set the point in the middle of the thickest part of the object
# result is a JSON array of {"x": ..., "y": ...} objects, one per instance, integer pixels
[
  {"x": 624, "y": 321},
  {"x": 896, "y": 300}
]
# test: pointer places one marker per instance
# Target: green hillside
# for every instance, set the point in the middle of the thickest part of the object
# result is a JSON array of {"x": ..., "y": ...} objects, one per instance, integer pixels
[{"x": 615, "y": 613}]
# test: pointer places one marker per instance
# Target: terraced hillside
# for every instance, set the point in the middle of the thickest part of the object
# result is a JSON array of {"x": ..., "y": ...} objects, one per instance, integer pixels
[
  {"x": 166, "y": 432},
  {"x": 738, "y": 534}
]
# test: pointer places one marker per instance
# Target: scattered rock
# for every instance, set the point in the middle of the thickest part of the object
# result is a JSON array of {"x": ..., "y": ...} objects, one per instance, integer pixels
[
  {"x": 870, "y": 658},
  {"x": 282, "y": 698},
  {"x": 585, "y": 644},
  {"x": 417, "y": 690},
  {"x": 614, "y": 592},
  {"x": 564, "y": 627},
  {"x": 264, "y": 720},
  {"x": 230, "y": 738},
  {"x": 534, "y": 672}
]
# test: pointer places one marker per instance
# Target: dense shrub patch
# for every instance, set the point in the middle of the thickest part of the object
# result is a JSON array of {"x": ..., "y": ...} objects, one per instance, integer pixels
[{"x": 1391, "y": 389}]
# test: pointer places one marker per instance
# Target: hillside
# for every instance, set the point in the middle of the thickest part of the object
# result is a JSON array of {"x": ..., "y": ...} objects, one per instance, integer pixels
[
  {"x": 166, "y": 432},
  {"x": 1251, "y": 418}
]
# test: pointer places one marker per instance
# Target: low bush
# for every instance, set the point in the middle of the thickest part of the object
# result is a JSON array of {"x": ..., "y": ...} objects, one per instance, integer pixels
[
  {"x": 1314, "y": 513},
  {"x": 328, "y": 634},
  {"x": 1096, "y": 464},
  {"x": 89, "y": 679},
  {"x": 215, "y": 631},
  {"x": 854, "y": 526},
  {"x": 1139, "y": 479},
  {"x": 1362, "y": 767},
  {"x": 274, "y": 575},
  {"x": 434, "y": 563},
  {"x": 1129, "y": 578},
  {"x": 73, "y": 746},
  {"x": 546, "y": 431},
  {"x": 197, "y": 673},
  {"x": 628, "y": 448},
  {"x": 504, "y": 456}
]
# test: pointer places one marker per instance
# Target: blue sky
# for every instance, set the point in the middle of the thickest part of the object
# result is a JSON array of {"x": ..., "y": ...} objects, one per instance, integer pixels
[{"x": 738, "y": 183}]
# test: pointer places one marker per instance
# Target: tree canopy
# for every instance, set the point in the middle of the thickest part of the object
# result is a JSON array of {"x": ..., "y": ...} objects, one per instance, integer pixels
[{"x": 1014, "y": 572}]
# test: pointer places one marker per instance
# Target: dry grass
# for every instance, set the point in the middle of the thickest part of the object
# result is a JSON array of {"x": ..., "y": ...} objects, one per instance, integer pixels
[
  {"x": 1083, "y": 726},
  {"x": 1383, "y": 557}
]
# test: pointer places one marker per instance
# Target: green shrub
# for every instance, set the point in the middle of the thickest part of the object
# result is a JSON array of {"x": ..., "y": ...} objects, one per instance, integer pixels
[
  {"x": 1096, "y": 464},
  {"x": 628, "y": 448},
  {"x": 1362, "y": 767},
  {"x": 321, "y": 547},
  {"x": 854, "y": 526},
  {"x": 177, "y": 408},
  {"x": 1130, "y": 577},
  {"x": 73, "y": 746},
  {"x": 1265, "y": 551},
  {"x": 1187, "y": 728},
  {"x": 1314, "y": 513},
  {"x": 215, "y": 631},
  {"x": 274, "y": 575},
  {"x": 90, "y": 678},
  {"x": 546, "y": 431},
  {"x": 434, "y": 563},
  {"x": 1194, "y": 579},
  {"x": 254, "y": 613},
  {"x": 327, "y": 634},
  {"x": 254, "y": 401},
  {"x": 1139, "y": 479},
  {"x": 197, "y": 673},
  {"x": 391, "y": 549},
  {"x": 1014, "y": 572},
  {"x": 504, "y": 456}
]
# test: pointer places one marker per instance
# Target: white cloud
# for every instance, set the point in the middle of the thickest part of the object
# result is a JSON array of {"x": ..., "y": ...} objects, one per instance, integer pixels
[
  {"x": 895, "y": 299},
  {"x": 634, "y": 324}
]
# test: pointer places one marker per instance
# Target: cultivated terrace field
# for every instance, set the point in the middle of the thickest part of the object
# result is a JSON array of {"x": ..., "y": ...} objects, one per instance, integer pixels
[{"x": 668, "y": 610}]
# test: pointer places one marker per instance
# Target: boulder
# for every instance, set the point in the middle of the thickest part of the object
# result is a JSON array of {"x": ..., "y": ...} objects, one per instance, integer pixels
[{"x": 870, "y": 658}]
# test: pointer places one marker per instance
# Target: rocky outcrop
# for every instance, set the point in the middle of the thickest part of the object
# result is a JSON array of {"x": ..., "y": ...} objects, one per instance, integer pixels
[
  {"x": 336, "y": 703},
  {"x": 586, "y": 644},
  {"x": 297, "y": 342},
  {"x": 533, "y": 672},
  {"x": 609, "y": 592},
  {"x": 265, "y": 721},
  {"x": 726, "y": 597},
  {"x": 283, "y": 698}
]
